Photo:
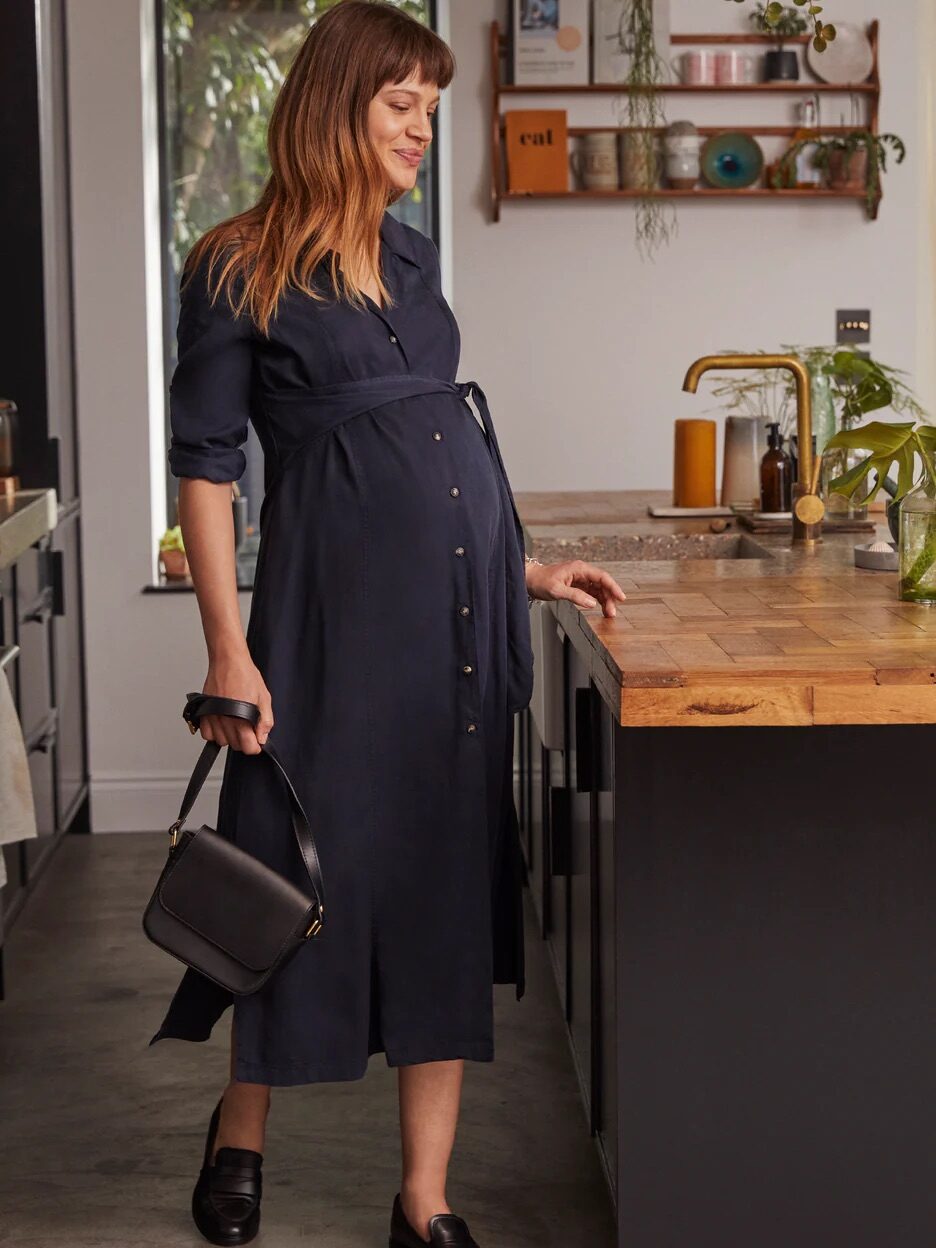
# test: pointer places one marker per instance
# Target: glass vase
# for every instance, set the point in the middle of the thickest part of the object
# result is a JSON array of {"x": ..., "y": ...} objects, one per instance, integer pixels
[
  {"x": 836, "y": 463},
  {"x": 917, "y": 547}
]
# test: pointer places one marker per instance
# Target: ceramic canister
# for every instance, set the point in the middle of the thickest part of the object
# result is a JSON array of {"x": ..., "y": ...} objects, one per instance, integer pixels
[
  {"x": 745, "y": 444},
  {"x": 696, "y": 68},
  {"x": 733, "y": 67},
  {"x": 683, "y": 170},
  {"x": 640, "y": 162},
  {"x": 595, "y": 161}
]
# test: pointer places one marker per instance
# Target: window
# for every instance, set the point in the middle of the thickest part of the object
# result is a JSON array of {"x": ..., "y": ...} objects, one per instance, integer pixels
[{"x": 221, "y": 65}]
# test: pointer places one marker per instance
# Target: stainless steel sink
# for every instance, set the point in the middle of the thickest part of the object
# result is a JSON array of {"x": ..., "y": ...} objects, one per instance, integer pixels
[{"x": 611, "y": 548}]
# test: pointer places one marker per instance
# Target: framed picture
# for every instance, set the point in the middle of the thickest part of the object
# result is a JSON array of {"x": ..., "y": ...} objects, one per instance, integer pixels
[{"x": 551, "y": 40}]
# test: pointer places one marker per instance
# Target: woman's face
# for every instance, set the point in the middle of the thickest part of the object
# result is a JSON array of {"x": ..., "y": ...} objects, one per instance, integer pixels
[{"x": 399, "y": 128}]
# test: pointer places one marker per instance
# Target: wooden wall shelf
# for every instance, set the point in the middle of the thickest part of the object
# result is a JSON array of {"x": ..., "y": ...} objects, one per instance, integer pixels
[
  {"x": 800, "y": 87},
  {"x": 699, "y": 192},
  {"x": 869, "y": 90},
  {"x": 763, "y": 40}
]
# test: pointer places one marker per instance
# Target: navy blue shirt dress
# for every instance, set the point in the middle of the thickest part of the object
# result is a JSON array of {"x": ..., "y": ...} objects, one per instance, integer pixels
[{"x": 390, "y": 622}]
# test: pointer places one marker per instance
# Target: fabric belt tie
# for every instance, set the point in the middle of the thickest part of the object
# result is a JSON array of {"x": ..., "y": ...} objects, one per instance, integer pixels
[{"x": 301, "y": 417}]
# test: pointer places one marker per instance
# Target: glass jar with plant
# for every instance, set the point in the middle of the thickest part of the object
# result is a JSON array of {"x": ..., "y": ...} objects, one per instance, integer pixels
[
  {"x": 914, "y": 492},
  {"x": 852, "y": 163},
  {"x": 859, "y": 385}
]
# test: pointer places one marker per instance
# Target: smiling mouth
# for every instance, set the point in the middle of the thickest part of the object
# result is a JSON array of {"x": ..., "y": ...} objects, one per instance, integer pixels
[{"x": 411, "y": 157}]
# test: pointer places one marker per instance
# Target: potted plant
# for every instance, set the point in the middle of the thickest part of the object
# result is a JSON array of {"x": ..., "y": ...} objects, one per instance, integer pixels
[
  {"x": 857, "y": 385},
  {"x": 781, "y": 22},
  {"x": 172, "y": 555},
  {"x": 907, "y": 445},
  {"x": 851, "y": 162},
  {"x": 823, "y": 33}
]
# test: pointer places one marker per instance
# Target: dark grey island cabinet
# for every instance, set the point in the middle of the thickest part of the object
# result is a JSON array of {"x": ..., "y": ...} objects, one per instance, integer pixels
[{"x": 742, "y": 925}]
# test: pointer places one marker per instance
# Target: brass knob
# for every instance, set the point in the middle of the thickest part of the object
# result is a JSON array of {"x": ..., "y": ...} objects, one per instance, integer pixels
[{"x": 809, "y": 509}]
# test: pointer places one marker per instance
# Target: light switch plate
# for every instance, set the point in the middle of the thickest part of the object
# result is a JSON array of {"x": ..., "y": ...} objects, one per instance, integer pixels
[{"x": 852, "y": 325}]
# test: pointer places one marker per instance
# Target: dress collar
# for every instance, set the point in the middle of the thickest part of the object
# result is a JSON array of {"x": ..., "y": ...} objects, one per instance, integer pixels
[{"x": 396, "y": 237}]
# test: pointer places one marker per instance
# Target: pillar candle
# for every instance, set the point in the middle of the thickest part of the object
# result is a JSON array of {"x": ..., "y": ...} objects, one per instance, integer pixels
[{"x": 694, "y": 464}]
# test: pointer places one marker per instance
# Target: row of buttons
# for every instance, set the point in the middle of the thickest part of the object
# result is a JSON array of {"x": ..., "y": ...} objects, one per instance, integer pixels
[{"x": 464, "y": 610}]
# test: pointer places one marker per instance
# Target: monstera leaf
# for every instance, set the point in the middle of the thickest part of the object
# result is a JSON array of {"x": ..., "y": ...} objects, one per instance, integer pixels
[{"x": 886, "y": 445}]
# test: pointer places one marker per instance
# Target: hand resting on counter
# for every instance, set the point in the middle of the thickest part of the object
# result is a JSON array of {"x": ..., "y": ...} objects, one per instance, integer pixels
[{"x": 583, "y": 583}]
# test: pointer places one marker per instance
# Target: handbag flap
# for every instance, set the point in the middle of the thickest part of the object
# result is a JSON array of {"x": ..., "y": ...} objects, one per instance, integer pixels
[{"x": 232, "y": 899}]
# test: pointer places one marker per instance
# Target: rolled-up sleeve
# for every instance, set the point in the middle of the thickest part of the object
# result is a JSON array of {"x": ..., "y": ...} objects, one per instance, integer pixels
[{"x": 209, "y": 395}]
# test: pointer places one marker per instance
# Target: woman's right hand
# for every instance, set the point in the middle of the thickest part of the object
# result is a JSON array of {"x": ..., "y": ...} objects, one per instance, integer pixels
[{"x": 237, "y": 677}]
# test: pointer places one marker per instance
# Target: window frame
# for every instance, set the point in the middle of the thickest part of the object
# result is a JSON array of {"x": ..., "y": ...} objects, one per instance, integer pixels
[{"x": 167, "y": 275}]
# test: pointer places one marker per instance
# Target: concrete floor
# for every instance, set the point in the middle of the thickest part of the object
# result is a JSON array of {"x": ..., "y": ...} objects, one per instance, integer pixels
[{"x": 101, "y": 1137}]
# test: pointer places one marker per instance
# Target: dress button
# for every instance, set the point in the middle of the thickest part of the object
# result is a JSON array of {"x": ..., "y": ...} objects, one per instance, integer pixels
[
  {"x": 459, "y": 550},
  {"x": 437, "y": 436},
  {"x": 472, "y": 728},
  {"x": 467, "y": 669},
  {"x": 454, "y": 491},
  {"x": 463, "y": 610},
  {"x": 393, "y": 337}
]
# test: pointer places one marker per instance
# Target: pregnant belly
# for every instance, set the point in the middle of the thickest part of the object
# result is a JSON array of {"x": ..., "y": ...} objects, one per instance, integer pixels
[{"x": 430, "y": 480}]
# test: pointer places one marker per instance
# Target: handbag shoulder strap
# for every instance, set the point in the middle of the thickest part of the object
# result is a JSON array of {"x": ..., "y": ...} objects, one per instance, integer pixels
[{"x": 199, "y": 704}]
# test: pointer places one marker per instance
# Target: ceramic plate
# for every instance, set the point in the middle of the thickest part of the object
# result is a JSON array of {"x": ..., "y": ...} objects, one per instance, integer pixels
[
  {"x": 848, "y": 58},
  {"x": 732, "y": 161}
]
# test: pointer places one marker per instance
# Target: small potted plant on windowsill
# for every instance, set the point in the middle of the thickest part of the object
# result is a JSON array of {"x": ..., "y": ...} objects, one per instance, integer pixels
[
  {"x": 781, "y": 23},
  {"x": 172, "y": 556}
]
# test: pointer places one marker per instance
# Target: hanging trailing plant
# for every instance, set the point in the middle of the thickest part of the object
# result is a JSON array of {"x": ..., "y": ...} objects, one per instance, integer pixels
[{"x": 655, "y": 218}]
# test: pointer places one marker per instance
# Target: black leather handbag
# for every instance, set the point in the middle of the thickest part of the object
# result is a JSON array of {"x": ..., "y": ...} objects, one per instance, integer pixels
[{"x": 219, "y": 909}]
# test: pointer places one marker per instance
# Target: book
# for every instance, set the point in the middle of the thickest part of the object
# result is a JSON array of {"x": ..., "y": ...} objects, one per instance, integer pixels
[
  {"x": 550, "y": 41},
  {"x": 537, "y": 149}
]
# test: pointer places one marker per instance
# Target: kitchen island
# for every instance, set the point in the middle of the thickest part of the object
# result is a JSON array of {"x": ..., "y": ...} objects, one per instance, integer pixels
[{"x": 742, "y": 922}]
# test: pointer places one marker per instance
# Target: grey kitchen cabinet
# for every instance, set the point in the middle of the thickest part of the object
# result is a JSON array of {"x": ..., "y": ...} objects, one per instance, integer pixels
[
  {"x": 40, "y": 578},
  {"x": 67, "y": 643},
  {"x": 41, "y": 645}
]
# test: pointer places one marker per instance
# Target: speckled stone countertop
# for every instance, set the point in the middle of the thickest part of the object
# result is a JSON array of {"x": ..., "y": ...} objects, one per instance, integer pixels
[{"x": 735, "y": 628}]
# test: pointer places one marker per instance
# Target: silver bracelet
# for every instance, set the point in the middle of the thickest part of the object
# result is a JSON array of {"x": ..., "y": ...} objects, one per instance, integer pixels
[{"x": 539, "y": 563}]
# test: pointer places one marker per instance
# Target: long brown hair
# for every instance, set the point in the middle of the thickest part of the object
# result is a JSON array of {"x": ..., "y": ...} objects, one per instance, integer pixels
[{"x": 327, "y": 183}]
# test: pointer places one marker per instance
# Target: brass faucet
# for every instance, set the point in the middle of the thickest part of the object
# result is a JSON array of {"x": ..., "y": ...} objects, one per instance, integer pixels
[{"x": 808, "y": 507}]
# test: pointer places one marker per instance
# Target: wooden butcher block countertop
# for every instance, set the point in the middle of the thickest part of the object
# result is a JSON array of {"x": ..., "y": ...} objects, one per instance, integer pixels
[{"x": 796, "y": 638}]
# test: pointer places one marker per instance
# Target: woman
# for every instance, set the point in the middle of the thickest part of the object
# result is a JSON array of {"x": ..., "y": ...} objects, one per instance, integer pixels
[{"x": 388, "y": 641}]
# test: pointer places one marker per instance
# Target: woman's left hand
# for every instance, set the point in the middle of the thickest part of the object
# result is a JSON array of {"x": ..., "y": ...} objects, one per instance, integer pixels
[{"x": 583, "y": 583}]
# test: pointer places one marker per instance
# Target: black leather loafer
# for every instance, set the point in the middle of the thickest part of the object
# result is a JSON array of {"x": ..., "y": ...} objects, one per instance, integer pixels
[
  {"x": 226, "y": 1199},
  {"x": 445, "y": 1230}
]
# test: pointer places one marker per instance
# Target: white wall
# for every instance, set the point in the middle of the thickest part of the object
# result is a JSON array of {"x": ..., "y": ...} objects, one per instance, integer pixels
[
  {"x": 579, "y": 345},
  {"x": 145, "y": 651}
]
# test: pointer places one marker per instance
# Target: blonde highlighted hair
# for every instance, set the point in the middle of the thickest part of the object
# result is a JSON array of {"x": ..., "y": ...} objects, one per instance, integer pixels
[{"x": 327, "y": 183}]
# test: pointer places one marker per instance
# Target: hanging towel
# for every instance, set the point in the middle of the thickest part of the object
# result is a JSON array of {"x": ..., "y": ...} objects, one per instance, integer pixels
[{"x": 17, "y": 809}]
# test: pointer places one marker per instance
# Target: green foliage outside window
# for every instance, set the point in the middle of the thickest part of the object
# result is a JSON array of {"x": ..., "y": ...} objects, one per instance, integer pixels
[{"x": 224, "y": 63}]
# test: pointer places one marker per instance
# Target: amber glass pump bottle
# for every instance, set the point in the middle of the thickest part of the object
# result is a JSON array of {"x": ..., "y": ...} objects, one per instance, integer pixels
[{"x": 776, "y": 473}]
